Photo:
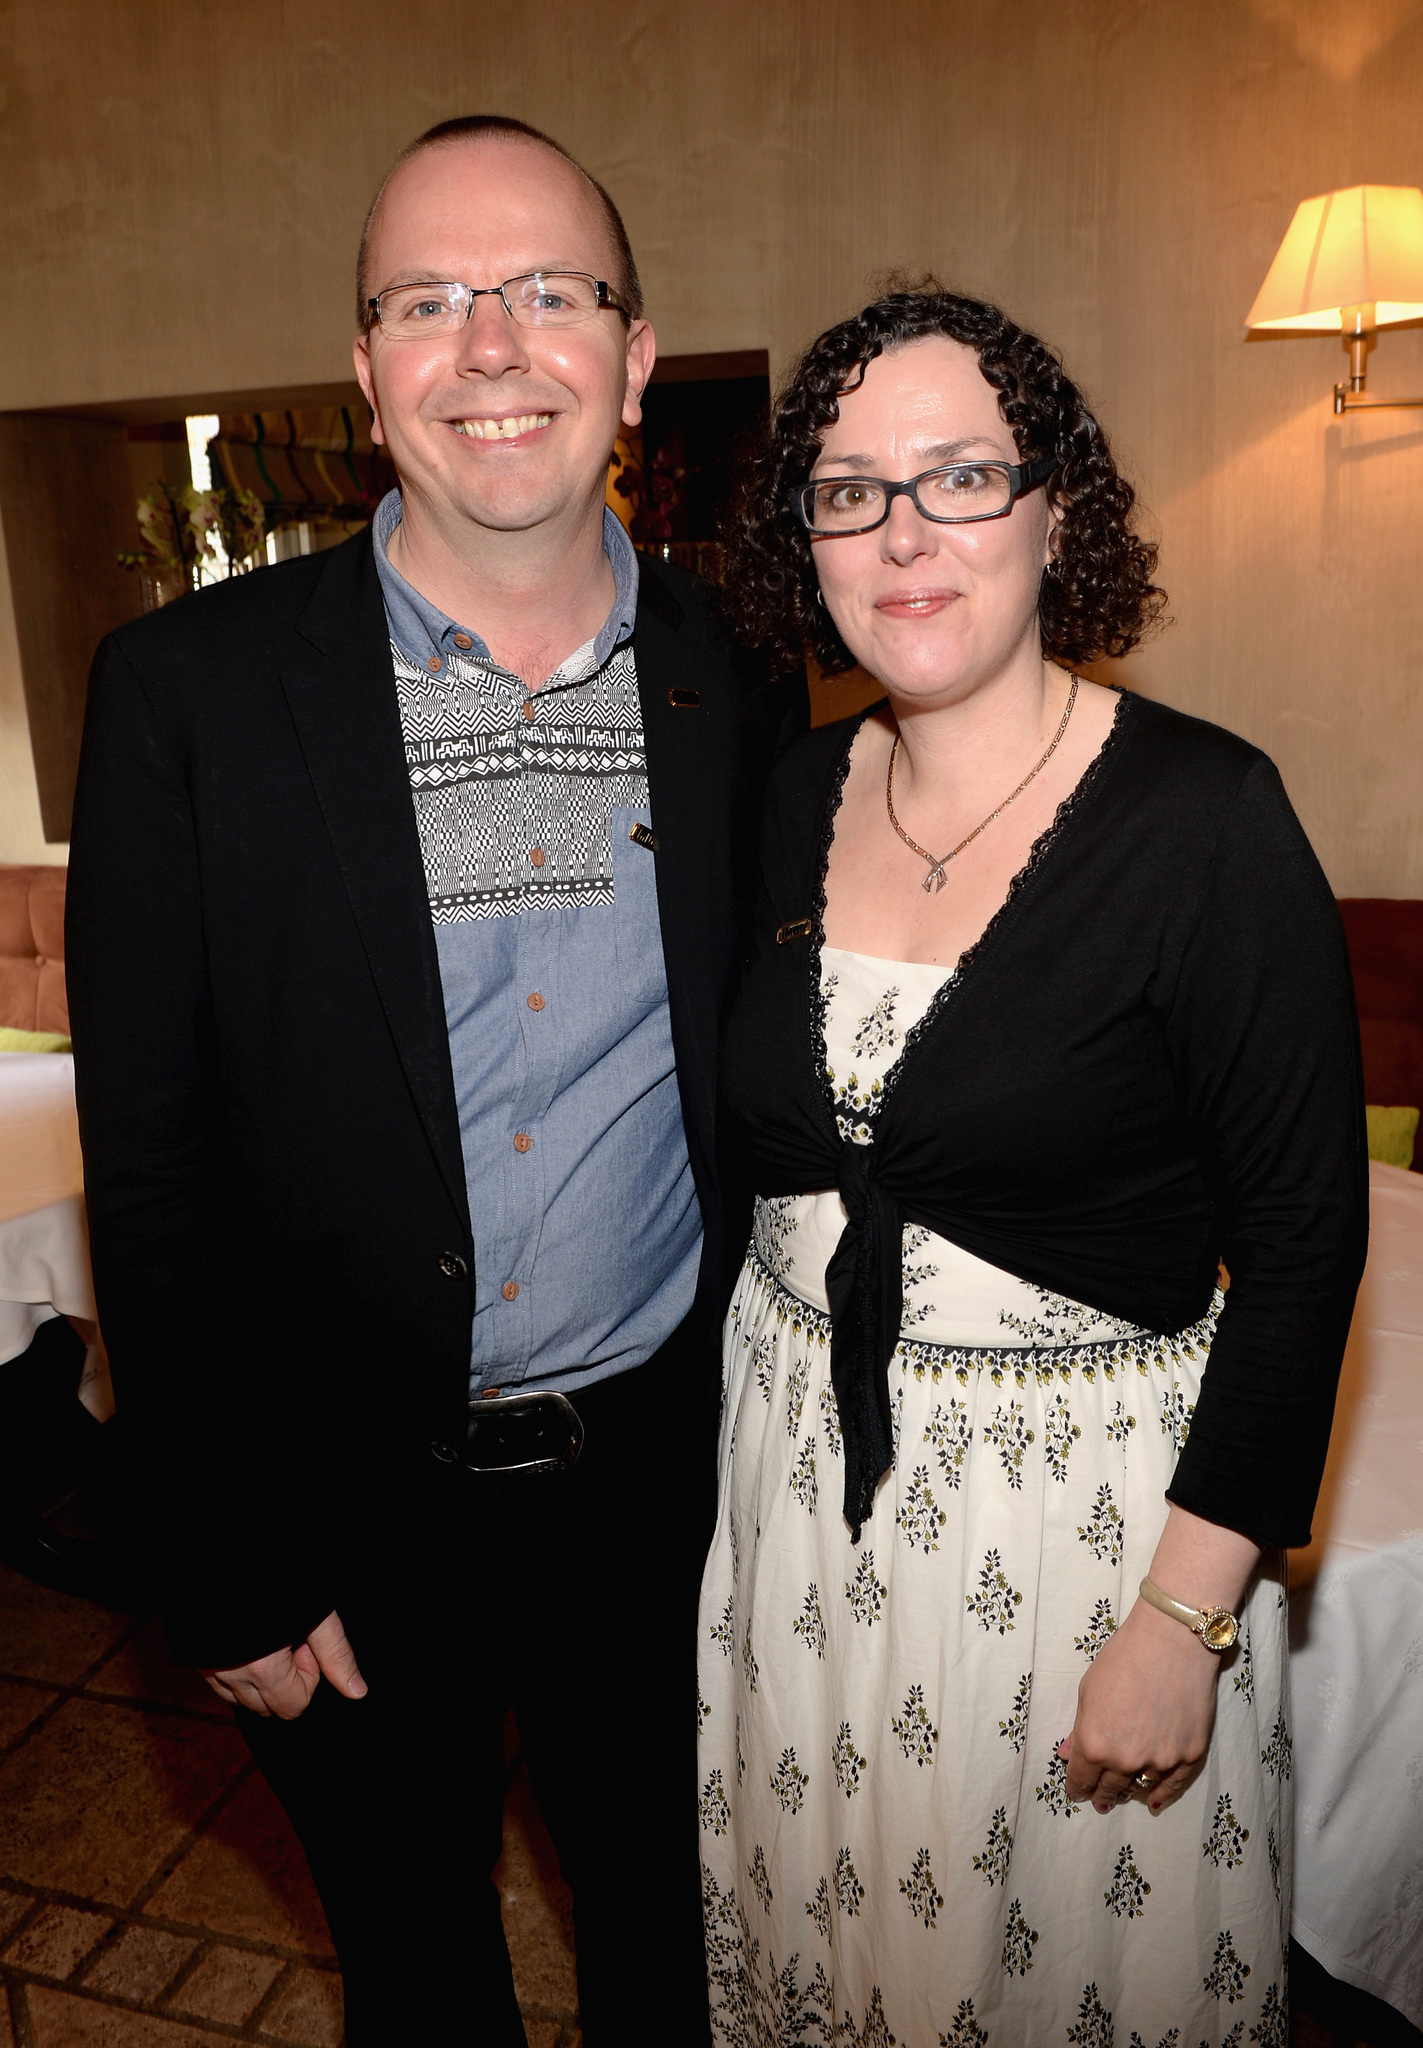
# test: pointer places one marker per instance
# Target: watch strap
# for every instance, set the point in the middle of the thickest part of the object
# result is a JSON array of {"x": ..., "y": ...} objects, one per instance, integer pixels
[{"x": 1216, "y": 1627}]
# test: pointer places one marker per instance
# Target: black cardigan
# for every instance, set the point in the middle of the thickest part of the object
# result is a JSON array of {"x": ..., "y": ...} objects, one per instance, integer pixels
[{"x": 1148, "y": 1063}]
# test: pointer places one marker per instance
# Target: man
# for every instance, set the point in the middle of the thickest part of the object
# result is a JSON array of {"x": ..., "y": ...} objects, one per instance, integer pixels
[{"x": 405, "y": 895}]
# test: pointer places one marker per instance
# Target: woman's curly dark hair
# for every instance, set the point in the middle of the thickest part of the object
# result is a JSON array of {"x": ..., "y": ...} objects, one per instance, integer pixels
[{"x": 1097, "y": 596}]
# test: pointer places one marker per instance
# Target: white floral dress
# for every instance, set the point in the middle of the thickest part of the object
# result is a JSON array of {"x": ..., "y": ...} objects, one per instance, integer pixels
[{"x": 889, "y": 1852}]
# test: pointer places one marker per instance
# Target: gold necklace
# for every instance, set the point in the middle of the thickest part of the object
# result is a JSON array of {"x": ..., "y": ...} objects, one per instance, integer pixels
[{"x": 935, "y": 879}]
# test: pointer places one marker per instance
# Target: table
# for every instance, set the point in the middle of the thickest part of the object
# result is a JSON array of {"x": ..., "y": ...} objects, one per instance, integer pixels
[
  {"x": 1356, "y": 1637},
  {"x": 44, "y": 1237}
]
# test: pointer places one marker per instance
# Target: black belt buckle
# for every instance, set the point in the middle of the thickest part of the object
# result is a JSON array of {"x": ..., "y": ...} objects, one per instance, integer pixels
[{"x": 523, "y": 1433}]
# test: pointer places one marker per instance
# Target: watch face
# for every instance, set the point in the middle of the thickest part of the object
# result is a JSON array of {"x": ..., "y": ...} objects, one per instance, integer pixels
[{"x": 1221, "y": 1629}]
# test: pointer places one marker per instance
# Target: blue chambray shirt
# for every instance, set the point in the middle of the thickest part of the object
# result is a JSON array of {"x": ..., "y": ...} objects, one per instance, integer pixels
[{"x": 587, "y": 1229}]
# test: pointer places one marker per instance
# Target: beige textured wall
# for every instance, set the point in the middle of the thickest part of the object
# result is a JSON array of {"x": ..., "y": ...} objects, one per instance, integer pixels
[{"x": 184, "y": 188}]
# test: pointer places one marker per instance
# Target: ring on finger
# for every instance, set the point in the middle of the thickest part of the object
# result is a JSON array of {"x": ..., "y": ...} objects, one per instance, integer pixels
[{"x": 1145, "y": 1780}]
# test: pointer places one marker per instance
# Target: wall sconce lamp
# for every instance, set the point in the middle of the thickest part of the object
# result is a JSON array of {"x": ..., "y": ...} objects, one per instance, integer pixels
[{"x": 1351, "y": 262}]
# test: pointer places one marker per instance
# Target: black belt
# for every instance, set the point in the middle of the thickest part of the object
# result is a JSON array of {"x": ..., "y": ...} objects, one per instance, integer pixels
[
  {"x": 523, "y": 1433},
  {"x": 543, "y": 1431}
]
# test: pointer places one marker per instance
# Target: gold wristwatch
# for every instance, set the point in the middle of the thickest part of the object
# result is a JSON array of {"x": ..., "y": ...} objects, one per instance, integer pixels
[{"x": 1217, "y": 1627}]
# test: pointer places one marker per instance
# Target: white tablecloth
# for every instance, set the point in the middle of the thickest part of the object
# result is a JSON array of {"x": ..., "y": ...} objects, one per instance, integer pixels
[
  {"x": 1356, "y": 1616},
  {"x": 44, "y": 1239},
  {"x": 40, "y": 1161}
]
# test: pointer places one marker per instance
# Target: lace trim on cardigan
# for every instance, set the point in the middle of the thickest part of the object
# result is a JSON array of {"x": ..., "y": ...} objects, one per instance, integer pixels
[
  {"x": 1037, "y": 853},
  {"x": 834, "y": 796}
]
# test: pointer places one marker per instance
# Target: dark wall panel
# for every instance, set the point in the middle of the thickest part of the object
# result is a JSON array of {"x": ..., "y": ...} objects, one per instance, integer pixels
[{"x": 66, "y": 500}]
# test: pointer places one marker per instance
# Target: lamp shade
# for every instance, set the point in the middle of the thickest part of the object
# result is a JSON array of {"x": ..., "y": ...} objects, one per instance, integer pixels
[{"x": 1362, "y": 246}]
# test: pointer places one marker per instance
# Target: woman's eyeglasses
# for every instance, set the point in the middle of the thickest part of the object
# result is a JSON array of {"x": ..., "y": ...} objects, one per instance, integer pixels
[{"x": 954, "y": 495}]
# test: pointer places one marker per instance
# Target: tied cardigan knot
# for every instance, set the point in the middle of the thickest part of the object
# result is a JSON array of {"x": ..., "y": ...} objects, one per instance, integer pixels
[{"x": 864, "y": 1284}]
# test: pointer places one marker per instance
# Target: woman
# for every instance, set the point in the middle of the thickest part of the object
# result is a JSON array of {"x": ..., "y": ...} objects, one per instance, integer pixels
[{"x": 1048, "y": 1015}]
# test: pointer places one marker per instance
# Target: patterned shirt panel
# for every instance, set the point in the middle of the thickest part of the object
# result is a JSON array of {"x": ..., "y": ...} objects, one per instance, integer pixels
[
  {"x": 587, "y": 1228},
  {"x": 514, "y": 812}
]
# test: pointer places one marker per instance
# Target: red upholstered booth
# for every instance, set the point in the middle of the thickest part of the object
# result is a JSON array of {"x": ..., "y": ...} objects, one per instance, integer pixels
[
  {"x": 1385, "y": 944},
  {"x": 32, "y": 996},
  {"x": 1385, "y": 937}
]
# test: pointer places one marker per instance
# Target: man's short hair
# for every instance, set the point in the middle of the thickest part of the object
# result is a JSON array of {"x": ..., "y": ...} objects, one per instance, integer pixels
[{"x": 469, "y": 128}]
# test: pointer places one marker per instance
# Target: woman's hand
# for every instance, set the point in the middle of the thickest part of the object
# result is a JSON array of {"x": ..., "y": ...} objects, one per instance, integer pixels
[{"x": 1148, "y": 1702}]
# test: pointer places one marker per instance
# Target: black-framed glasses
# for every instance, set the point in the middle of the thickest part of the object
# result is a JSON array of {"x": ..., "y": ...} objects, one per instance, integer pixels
[
  {"x": 540, "y": 298},
  {"x": 953, "y": 495}
]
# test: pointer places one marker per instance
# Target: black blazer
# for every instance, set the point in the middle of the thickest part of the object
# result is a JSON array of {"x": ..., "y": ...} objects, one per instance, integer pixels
[{"x": 280, "y": 1230}]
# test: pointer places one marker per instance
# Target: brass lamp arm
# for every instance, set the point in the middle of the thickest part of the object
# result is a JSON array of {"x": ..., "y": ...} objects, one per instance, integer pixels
[
  {"x": 1357, "y": 323},
  {"x": 1347, "y": 399}
]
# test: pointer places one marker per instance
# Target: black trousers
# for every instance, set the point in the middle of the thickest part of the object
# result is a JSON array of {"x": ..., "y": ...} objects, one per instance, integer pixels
[{"x": 572, "y": 1598}]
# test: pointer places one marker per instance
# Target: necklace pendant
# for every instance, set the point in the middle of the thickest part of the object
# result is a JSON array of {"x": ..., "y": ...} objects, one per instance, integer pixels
[{"x": 935, "y": 879}]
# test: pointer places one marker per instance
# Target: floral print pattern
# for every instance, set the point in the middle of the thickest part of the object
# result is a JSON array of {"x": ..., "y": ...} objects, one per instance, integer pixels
[
  {"x": 1101, "y": 1626},
  {"x": 1060, "y": 1433},
  {"x": 1019, "y": 1941},
  {"x": 1227, "y": 1974},
  {"x": 859, "y": 1893},
  {"x": 1010, "y": 1437},
  {"x": 965, "y": 2031},
  {"x": 1275, "y": 1756},
  {"x": 849, "y": 1892},
  {"x": 1226, "y": 1841},
  {"x": 921, "y": 1896},
  {"x": 949, "y": 1432},
  {"x": 995, "y": 1599},
  {"x": 1104, "y": 1533},
  {"x": 847, "y": 1761},
  {"x": 1015, "y": 1728},
  {"x": 1093, "y": 2028},
  {"x": 992, "y": 1863},
  {"x": 920, "y": 1517},
  {"x": 914, "y": 1730},
  {"x": 1126, "y": 1894},
  {"x": 809, "y": 1624},
  {"x": 875, "y": 1034},
  {"x": 866, "y": 1593}
]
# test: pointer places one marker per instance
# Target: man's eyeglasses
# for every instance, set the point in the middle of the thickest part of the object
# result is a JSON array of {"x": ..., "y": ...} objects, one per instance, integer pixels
[
  {"x": 542, "y": 298},
  {"x": 955, "y": 495}
]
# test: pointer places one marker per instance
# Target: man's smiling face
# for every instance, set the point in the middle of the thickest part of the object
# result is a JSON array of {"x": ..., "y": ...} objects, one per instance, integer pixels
[{"x": 505, "y": 426}]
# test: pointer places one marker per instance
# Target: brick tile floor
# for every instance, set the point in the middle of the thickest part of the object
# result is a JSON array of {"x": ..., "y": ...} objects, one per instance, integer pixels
[{"x": 152, "y": 1894}]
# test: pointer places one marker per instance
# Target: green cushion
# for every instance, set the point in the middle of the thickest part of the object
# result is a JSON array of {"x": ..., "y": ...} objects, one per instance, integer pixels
[
  {"x": 1391, "y": 1134},
  {"x": 12, "y": 1040}
]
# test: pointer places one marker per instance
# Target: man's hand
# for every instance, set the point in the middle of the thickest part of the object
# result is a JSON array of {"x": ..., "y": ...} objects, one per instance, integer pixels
[{"x": 283, "y": 1683}]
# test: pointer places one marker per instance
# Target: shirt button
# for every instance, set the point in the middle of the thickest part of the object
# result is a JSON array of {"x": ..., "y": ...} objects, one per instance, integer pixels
[
  {"x": 510, "y": 1290},
  {"x": 531, "y": 711},
  {"x": 522, "y": 1141},
  {"x": 535, "y": 1001},
  {"x": 452, "y": 1266},
  {"x": 39, "y": 959},
  {"x": 434, "y": 664},
  {"x": 537, "y": 856},
  {"x": 462, "y": 640}
]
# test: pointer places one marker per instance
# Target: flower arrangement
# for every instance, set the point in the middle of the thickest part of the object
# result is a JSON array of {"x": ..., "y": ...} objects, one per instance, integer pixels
[
  {"x": 169, "y": 542},
  {"x": 228, "y": 526},
  {"x": 192, "y": 536}
]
